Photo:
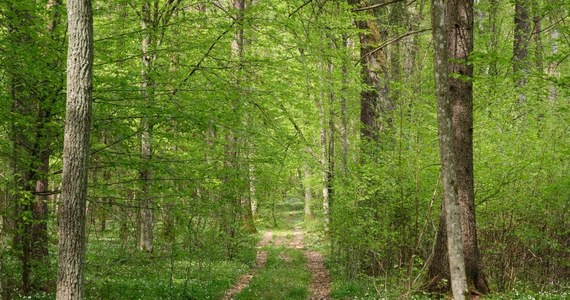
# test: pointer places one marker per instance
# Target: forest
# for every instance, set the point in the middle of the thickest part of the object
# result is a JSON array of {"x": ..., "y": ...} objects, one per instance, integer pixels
[{"x": 298, "y": 149}]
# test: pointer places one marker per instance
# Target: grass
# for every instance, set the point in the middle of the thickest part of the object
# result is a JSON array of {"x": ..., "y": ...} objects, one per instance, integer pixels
[
  {"x": 285, "y": 276},
  {"x": 369, "y": 288},
  {"x": 113, "y": 274}
]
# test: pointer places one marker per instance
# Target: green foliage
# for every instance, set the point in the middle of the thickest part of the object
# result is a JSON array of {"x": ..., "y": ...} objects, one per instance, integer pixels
[{"x": 230, "y": 127}]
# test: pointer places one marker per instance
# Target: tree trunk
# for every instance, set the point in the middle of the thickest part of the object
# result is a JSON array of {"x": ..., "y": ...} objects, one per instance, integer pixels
[
  {"x": 71, "y": 244},
  {"x": 520, "y": 47},
  {"x": 460, "y": 37},
  {"x": 553, "y": 67},
  {"x": 447, "y": 153},
  {"x": 459, "y": 30},
  {"x": 146, "y": 211},
  {"x": 324, "y": 160},
  {"x": 375, "y": 103},
  {"x": 308, "y": 192},
  {"x": 252, "y": 191},
  {"x": 33, "y": 97},
  {"x": 238, "y": 48},
  {"x": 331, "y": 145}
]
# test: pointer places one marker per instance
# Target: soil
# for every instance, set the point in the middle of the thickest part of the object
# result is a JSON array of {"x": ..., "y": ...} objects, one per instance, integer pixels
[
  {"x": 320, "y": 278},
  {"x": 320, "y": 287},
  {"x": 260, "y": 261}
]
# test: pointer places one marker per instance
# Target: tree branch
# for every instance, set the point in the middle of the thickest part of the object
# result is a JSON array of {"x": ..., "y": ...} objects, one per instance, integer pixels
[
  {"x": 300, "y": 132},
  {"x": 375, "y": 6},
  {"x": 197, "y": 66},
  {"x": 299, "y": 8},
  {"x": 396, "y": 39}
]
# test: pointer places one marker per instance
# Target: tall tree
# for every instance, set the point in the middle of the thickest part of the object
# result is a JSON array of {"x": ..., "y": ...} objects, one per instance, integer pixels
[
  {"x": 375, "y": 102},
  {"x": 448, "y": 156},
  {"x": 521, "y": 43},
  {"x": 238, "y": 51},
  {"x": 71, "y": 244},
  {"x": 459, "y": 39},
  {"x": 146, "y": 124},
  {"x": 154, "y": 22},
  {"x": 34, "y": 96}
]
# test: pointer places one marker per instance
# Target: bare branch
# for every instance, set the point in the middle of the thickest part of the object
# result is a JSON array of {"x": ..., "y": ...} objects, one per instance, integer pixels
[
  {"x": 390, "y": 42},
  {"x": 299, "y": 8},
  {"x": 375, "y": 6}
]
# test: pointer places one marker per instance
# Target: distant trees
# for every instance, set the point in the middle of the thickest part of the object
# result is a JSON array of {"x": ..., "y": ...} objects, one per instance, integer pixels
[{"x": 34, "y": 98}]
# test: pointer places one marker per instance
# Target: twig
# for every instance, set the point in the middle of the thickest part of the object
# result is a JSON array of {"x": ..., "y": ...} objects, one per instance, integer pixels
[
  {"x": 375, "y": 6},
  {"x": 197, "y": 66},
  {"x": 396, "y": 39},
  {"x": 299, "y": 8}
]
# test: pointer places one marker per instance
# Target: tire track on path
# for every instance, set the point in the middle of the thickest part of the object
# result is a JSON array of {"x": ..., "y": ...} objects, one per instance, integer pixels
[
  {"x": 260, "y": 261},
  {"x": 320, "y": 286}
]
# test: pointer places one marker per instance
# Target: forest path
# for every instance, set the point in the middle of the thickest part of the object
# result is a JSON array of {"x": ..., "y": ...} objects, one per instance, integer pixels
[
  {"x": 320, "y": 282},
  {"x": 320, "y": 285},
  {"x": 260, "y": 261}
]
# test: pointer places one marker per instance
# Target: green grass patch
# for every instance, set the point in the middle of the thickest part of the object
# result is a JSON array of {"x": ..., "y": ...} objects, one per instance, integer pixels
[
  {"x": 112, "y": 273},
  {"x": 285, "y": 276}
]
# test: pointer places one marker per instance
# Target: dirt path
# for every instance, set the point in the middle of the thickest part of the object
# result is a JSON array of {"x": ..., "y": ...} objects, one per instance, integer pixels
[
  {"x": 320, "y": 284},
  {"x": 260, "y": 261},
  {"x": 297, "y": 242},
  {"x": 320, "y": 287}
]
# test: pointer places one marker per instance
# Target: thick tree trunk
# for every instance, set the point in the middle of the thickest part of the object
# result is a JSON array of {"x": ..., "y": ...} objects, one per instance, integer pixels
[
  {"x": 75, "y": 151},
  {"x": 460, "y": 37},
  {"x": 521, "y": 43},
  {"x": 447, "y": 151},
  {"x": 459, "y": 30},
  {"x": 375, "y": 103}
]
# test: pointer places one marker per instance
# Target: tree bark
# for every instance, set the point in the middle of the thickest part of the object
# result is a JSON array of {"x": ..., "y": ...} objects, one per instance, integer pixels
[
  {"x": 71, "y": 244},
  {"x": 375, "y": 103},
  {"x": 308, "y": 192},
  {"x": 521, "y": 43},
  {"x": 324, "y": 158},
  {"x": 146, "y": 228},
  {"x": 447, "y": 153},
  {"x": 460, "y": 36},
  {"x": 331, "y": 145},
  {"x": 459, "y": 31}
]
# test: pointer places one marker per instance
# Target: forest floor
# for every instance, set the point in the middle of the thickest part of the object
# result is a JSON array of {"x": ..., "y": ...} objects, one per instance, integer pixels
[{"x": 286, "y": 250}]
